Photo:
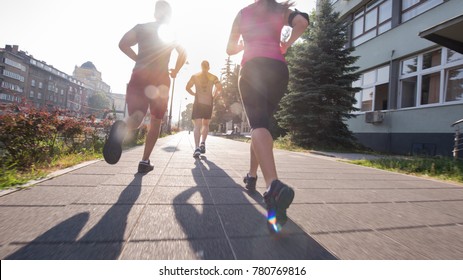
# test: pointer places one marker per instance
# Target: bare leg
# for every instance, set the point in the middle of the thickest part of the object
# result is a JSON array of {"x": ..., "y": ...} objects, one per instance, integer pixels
[
  {"x": 254, "y": 164},
  {"x": 205, "y": 130},
  {"x": 197, "y": 131},
  {"x": 135, "y": 120},
  {"x": 151, "y": 137},
  {"x": 262, "y": 144}
]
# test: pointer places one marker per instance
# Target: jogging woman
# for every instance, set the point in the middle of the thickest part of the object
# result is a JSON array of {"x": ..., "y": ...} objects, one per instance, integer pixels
[{"x": 262, "y": 83}]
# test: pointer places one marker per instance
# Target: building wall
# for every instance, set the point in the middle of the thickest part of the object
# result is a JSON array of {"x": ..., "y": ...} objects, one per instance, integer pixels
[
  {"x": 403, "y": 130},
  {"x": 92, "y": 78},
  {"x": 13, "y": 74},
  {"x": 425, "y": 129},
  {"x": 42, "y": 85},
  {"x": 404, "y": 39}
]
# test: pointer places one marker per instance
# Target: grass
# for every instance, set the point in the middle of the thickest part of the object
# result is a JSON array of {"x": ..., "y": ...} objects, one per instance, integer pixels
[
  {"x": 435, "y": 167},
  {"x": 12, "y": 177},
  {"x": 439, "y": 168}
]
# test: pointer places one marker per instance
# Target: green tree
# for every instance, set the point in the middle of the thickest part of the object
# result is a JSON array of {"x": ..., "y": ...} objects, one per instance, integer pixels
[
  {"x": 223, "y": 109},
  {"x": 320, "y": 95},
  {"x": 186, "y": 122},
  {"x": 99, "y": 103}
]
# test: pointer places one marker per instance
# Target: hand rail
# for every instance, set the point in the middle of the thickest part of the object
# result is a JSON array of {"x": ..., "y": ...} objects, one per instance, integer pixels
[
  {"x": 458, "y": 139},
  {"x": 457, "y": 122}
]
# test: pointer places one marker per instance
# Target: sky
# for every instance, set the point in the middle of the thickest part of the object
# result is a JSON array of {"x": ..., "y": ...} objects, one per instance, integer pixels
[{"x": 68, "y": 33}]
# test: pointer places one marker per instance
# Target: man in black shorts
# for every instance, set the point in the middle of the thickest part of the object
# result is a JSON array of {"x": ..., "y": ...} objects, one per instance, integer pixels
[
  {"x": 149, "y": 83},
  {"x": 207, "y": 86}
]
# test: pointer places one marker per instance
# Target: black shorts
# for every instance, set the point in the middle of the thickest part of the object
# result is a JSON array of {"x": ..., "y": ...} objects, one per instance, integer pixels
[
  {"x": 201, "y": 111},
  {"x": 262, "y": 84}
]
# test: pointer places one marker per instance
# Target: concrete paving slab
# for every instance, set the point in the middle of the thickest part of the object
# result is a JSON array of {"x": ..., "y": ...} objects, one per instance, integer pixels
[
  {"x": 181, "y": 181},
  {"x": 45, "y": 196},
  {"x": 249, "y": 221},
  {"x": 65, "y": 251},
  {"x": 130, "y": 195},
  {"x": 367, "y": 246},
  {"x": 289, "y": 247},
  {"x": 180, "y": 195},
  {"x": 439, "y": 243},
  {"x": 235, "y": 195},
  {"x": 210, "y": 249},
  {"x": 132, "y": 179},
  {"x": 199, "y": 209},
  {"x": 172, "y": 222},
  {"x": 72, "y": 180},
  {"x": 320, "y": 218},
  {"x": 452, "y": 208}
]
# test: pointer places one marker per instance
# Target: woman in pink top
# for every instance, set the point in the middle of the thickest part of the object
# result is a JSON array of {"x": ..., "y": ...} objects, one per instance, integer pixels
[{"x": 262, "y": 83}]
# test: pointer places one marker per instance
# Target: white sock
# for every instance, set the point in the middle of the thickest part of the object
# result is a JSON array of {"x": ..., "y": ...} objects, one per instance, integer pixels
[{"x": 145, "y": 161}]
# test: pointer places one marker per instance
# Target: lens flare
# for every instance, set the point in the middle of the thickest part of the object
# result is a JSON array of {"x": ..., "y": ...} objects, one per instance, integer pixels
[
  {"x": 151, "y": 92},
  {"x": 166, "y": 33},
  {"x": 272, "y": 220}
]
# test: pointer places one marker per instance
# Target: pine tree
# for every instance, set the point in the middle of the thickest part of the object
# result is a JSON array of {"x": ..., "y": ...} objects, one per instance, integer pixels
[
  {"x": 320, "y": 96},
  {"x": 230, "y": 94}
]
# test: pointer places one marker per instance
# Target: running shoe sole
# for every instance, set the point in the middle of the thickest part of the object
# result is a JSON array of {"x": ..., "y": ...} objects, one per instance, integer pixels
[
  {"x": 276, "y": 215},
  {"x": 112, "y": 149}
]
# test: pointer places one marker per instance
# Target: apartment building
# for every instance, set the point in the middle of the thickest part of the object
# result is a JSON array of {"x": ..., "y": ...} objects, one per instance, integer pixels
[
  {"x": 24, "y": 78},
  {"x": 411, "y": 65}
]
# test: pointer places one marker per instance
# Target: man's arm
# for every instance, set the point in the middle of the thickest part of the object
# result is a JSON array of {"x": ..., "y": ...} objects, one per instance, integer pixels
[
  {"x": 127, "y": 42},
  {"x": 181, "y": 59},
  {"x": 189, "y": 85}
]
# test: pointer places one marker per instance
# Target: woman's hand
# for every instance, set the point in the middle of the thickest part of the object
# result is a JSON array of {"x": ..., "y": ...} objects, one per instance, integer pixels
[{"x": 284, "y": 46}]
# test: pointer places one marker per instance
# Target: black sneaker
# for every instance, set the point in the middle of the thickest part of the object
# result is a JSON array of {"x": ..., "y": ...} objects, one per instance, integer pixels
[
  {"x": 278, "y": 199},
  {"x": 202, "y": 148},
  {"x": 145, "y": 167},
  {"x": 250, "y": 182},
  {"x": 197, "y": 153},
  {"x": 112, "y": 149}
]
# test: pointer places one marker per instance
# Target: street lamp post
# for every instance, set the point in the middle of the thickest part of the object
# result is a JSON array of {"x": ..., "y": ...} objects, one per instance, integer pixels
[{"x": 169, "y": 126}]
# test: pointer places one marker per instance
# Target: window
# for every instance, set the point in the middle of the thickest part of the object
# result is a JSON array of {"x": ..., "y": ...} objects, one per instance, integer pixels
[
  {"x": 40, "y": 85},
  {"x": 39, "y": 95},
  {"x": 430, "y": 88},
  {"x": 15, "y": 64},
  {"x": 432, "y": 59},
  {"x": 371, "y": 21},
  {"x": 13, "y": 75},
  {"x": 11, "y": 86},
  {"x": 453, "y": 56},
  {"x": 409, "y": 65},
  {"x": 33, "y": 83},
  {"x": 413, "y": 8},
  {"x": 374, "y": 92},
  {"x": 31, "y": 94},
  {"x": 454, "y": 90},
  {"x": 431, "y": 78}
]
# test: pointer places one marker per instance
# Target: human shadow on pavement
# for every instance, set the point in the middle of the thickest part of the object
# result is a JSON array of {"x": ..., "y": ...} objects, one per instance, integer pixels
[
  {"x": 103, "y": 241},
  {"x": 235, "y": 224}
]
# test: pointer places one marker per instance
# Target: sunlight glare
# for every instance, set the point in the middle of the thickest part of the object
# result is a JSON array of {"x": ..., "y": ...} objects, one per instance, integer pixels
[{"x": 166, "y": 33}]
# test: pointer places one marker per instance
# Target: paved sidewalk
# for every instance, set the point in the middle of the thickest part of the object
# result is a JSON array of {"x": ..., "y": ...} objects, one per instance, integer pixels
[{"x": 189, "y": 209}]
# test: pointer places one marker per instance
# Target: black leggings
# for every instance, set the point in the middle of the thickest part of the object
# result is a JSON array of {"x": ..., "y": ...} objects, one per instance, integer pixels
[{"x": 262, "y": 84}]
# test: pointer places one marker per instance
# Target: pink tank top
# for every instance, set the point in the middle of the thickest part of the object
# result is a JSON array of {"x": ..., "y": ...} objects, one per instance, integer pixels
[{"x": 261, "y": 34}]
